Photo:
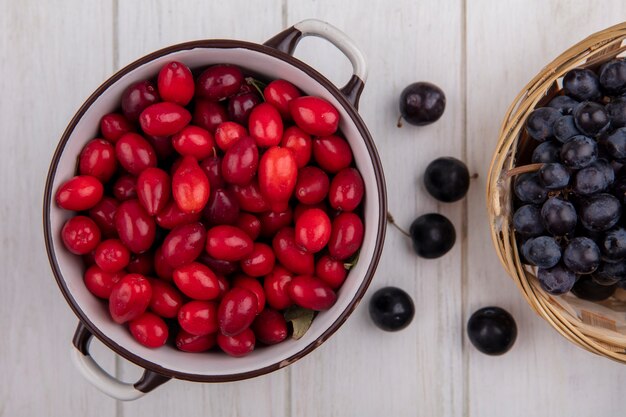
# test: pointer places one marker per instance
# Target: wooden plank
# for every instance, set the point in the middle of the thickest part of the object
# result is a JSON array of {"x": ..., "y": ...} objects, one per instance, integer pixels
[
  {"x": 145, "y": 26},
  {"x": 508, "y": 43},
  {"x": 52, "y": 57},
  {"x": 418, "y": 371}
]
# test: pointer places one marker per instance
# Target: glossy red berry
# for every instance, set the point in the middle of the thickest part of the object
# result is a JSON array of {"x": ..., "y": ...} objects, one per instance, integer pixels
[
  {"x": 250, "y": 224},
  {"x": 166, "y": 300},
  {"x": 228, "y": 243},
  {"x": 188, "y": 342},
  {"x": 278, "y": 173},
  {"x": 222, "y": 208},
  {"x": 290, "y": 255},
  {"x": 184, "y": 244},
  {"x": 135, "y": 228},
  {"x": 194, "y": 141},
  {"x": 197, "y": 281},
  {"x": 240, "y": 162},
  {"x": 219, "y": 82},
  {"x": 346, "y": 190},
  {"x": 124, "y": 188},
  {"x": 331, "y": 271},
  {"x": 153, "y": 190},
  {"x": 198, "y": 317},
  {"x": 98, "y": 160},
  {"x": 172, "y": 216},
  {"x": 129, "y": 298},
  {"x": 275, "y": 285},
  {"x": 103, "y": 214},
  {"x": 299, "y": 142},
  {"x": 162, "y": 268},
  {"x": 279, "y": 93},
  {"x": 252, "y": 285},
  {"x": 346, "y": 236},
  {"x": 176, "y": 83},
  {"x": 241, "y": 105},
  {"x": 312, "y": 230},
  {"x": 236, "y": 311},
  {"x": 312, "y": 185},
  {"x": 212, "y": 167},
  {"x": 265, "y": 125},
  {"x": 190, "y": 187},
  {"x": 272, "y": 222},
  {"x": 137, "y": 97},
  {"x": 79, "y": 193},
  {"x": 332, "y": 153},
  {"x": 80, "y": 235},
  {"x": 134, "y": 153},
  {"x": 164, "y": 119},
  {"x": 312, "y": 293},
  {"x": 114, "y": 125},
  {"x": 209, "y": 115},
  {"x": 301, "y": 208},
  {"x": 149, "y": 329},
  {"x": 314, "y": 115},
  {"x": 99, "y": 282},
  {"x": 228, "y": 133},
  {"x": 250, "y": 198},
  {"x": 270, "y": 327},
  {"x": 111, "y": 255},
  {"x": 239, "y": 345}
]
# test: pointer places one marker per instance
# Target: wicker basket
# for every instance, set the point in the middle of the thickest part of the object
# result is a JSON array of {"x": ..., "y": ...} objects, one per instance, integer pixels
[{"x": 597, "y": 327}]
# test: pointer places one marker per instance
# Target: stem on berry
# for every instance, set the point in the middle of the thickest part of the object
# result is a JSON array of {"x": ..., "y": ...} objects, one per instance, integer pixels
[
  {"x": 523, "y": 169},
  {"x": 399, "y": 121},
  {"x": 391, "y": 221}
]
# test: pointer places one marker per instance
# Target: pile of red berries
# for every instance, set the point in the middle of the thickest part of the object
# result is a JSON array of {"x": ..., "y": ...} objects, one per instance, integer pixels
[{"x": 211, "y": 206}]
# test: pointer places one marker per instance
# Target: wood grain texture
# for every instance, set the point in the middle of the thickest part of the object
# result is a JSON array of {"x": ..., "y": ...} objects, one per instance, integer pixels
[
  {"x": 145, "y": 26},
  {"x": 544, "y": 374},
  {"x": 43, "y": 50},
  {"x": 481, "y": 53},
  {"x": 415, "y": 371}
]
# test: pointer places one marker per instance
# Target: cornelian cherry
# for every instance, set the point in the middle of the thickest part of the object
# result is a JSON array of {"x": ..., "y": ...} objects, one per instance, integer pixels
[
  {"x": 265, "y": 125},
  {"x": 253, "y": 285},
  {"x": 212, "y": 167},
  {"x": 332, "y": 153},
  {"x": 312, "y": 185},
  {"x": 197, "y": 281},
  {"x": 194, "y": 141},
  {"x": 188, "y": 342},
  {"x": 236, "y": 311},
  {"x": 184, "y": 244},
  {"x": 111, "y": 255},
  {"x": 137, "y": 97},
  {"x": 166, "y": 300},
  {"x": 299, "y": 142},
  {"x": 153, "y": 190},
  {"x": 80, "y": 235},
  {"x": 312, "y": 293},
  {"x": 250, "y": 224},
  {"x": 125, "y": 188},
  {"x": 312, "y": 230},
  {"x": 209, "y": 115},
  {"x": 275, "y": 285},
  {"x": 129, "y": 298},
  {"x": 99, "y": 282},
  {"x": 135, "y": 228},
  {"x": 172, "y": 216},
  {"x": 331, "y": 271},
  {"x": 164, "y": 119},
  {"x": 175, "y": 83},
  {"x": 218, "y": 82},
  {"x": 228, "y": 133},
  {"x": 314, "y": 115},
  {"x": 79, "y": 193},
  {"x": 228, "y": 243},
  {"x": 250, "y": 198},
  {"x": 198, "y": 317},
  {"x": 270, "y": 327},
  {"x": 114, "y": 125},
  {"x": 190, "y": 187},
  {"x": 238, "y": 345},
  {"x": 278, "y": 173},
  {"x": 290, "y": 254},
  {"x": 240, "y": 162},
  {"x": 346, "y": 236},
  {"x": 103, "y": 214},
  {"x": 346, "y": 190},
  {"x": 134, "y": 153},
  {"x": 149, "y": 329},
  {"x": 98, "y": 160},
  {"x": 279, "y": 93},
  {"x": 272, "y": 222}
]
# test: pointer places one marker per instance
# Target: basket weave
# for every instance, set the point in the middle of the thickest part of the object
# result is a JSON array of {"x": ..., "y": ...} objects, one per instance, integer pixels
[{"x": 597, "y": 327}]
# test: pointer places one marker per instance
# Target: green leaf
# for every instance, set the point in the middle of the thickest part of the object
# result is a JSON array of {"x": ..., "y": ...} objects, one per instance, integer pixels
[
  {"x": 301, "y": 319},
  {"x": 351, "y": 262}
]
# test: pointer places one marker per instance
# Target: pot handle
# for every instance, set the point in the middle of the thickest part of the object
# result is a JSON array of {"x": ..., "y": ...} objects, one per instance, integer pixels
[
  {"x": 101, "y": 379},
  {"x": 287, "y": 40}
]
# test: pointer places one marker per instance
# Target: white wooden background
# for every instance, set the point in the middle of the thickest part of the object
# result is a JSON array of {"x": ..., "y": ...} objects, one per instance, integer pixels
[{"x": 54, "y": 53}]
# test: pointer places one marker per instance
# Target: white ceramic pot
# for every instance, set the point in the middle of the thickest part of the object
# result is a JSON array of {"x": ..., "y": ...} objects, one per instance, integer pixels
[{"x": 271, "y": 61}]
